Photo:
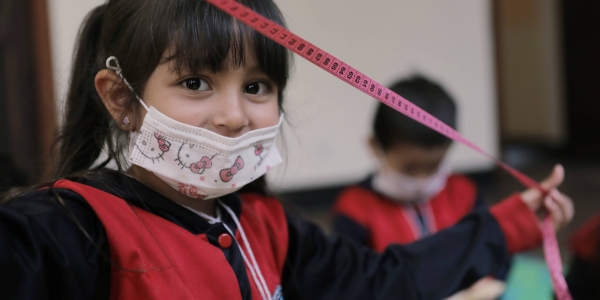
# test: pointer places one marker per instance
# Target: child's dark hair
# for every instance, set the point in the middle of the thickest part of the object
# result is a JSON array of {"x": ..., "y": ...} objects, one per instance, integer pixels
[
  {"x": 391, "y": 128},
  {"x": 196, "y": 36}
]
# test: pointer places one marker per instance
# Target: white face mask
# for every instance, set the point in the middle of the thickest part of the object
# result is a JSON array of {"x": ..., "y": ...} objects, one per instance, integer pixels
[
  {"x": 404, "y": 188},
  {"x": 198, "y": 162}
]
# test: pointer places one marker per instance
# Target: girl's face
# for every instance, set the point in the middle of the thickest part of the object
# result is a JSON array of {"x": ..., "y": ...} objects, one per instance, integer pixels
[{"x": 230, "y": 102}]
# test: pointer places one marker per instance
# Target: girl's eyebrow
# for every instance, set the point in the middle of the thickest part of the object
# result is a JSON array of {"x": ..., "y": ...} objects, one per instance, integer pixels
[
  {"x": 185, "y": 71},
  {"x": 255, "y": 69}
]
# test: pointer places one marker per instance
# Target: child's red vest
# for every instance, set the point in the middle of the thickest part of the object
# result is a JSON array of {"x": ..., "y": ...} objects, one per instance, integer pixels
[
  {"x": 386, "y": 221},
  {"x": 585, "y": 241},
  {"x": 156, "y": 259}
]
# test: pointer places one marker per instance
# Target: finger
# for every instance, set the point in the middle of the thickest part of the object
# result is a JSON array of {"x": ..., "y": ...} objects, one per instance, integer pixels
[
  {"x": 555, "y": 179},
  {"x": 533, "y": 197},
  {"x": 565, "y": 203},
  {"x": 555, "y": 212}
]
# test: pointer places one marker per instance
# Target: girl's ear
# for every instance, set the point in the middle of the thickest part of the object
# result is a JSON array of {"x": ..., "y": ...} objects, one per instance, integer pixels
[{"x": 115, "y": 95}]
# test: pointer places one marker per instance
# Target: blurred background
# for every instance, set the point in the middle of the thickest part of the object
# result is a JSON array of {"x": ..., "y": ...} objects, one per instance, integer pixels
[{"x": 525, "y": 75}]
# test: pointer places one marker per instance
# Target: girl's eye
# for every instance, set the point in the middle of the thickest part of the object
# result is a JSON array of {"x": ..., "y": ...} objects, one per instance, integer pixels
[
  {"x": 195, "y": 84},
  {"x": 256, "y": 88}
]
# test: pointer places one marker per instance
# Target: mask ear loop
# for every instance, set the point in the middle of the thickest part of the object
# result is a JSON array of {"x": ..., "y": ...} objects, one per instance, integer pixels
[
  {"x": 256, "y": 272},
  {"x": 112, "y": 63},
  {"x": 259, "y": 280}
]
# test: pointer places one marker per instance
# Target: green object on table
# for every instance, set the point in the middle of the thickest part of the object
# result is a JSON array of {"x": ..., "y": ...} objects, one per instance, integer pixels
[{"x": 528, "y": 279}]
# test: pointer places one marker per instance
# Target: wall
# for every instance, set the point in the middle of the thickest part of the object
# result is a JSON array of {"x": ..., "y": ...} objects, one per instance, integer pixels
[
  {"x": 451, "y": 41},
  {"x": 65, "y": 18},
  {"x": 532, "y": 88}
]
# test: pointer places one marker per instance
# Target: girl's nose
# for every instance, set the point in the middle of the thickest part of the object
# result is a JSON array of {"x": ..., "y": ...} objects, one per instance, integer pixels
[{"x": 231, "y": 119}]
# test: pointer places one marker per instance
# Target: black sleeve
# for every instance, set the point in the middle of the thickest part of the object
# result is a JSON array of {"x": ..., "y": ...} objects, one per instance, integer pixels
[
  {"x": 584, "y": 279},
  {"x": 480, "y": 203},
  {"x": 320, "y": 267},
  {"x": 350, "y": 229},
  {"x": 44, "y": 253}
]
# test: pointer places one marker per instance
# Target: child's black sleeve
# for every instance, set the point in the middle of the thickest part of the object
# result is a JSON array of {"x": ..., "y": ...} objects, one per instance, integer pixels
[
  {"x": 320, "y": 267},
  {"x": 583, "y": 279},
  {"x": 44, "y": 253},
  {"x": 346, "y": 227}
]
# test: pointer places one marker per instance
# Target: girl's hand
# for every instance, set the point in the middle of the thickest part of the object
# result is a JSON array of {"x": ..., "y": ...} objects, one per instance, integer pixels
[{"x": 558, "y": 205}]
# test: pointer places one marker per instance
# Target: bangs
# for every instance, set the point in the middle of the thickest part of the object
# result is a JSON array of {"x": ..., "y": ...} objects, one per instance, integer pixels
[{"x": 200, "y": 37}]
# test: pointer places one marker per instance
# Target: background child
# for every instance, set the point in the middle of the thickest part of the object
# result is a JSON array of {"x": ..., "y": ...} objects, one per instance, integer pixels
[
  {"x": 187, "y": 103},
  {"x": 413, "y": 194}
]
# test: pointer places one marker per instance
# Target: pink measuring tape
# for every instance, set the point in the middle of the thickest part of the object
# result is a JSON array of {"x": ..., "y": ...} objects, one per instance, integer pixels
[{"x": 369, "y": 86}]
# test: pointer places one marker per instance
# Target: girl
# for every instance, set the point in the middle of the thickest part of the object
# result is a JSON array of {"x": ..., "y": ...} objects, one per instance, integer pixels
[{"x": 194, "y": 101}]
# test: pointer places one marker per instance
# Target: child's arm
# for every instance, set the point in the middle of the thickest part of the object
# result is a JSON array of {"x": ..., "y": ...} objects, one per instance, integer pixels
[
  {"x": 433, "y": 268},
  {"x": 43, "y": 252},
  {"x": 348, "y": 228}
]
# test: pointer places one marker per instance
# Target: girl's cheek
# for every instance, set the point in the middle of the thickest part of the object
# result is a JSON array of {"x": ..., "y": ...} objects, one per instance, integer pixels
[{"x": 275, "y": 112}]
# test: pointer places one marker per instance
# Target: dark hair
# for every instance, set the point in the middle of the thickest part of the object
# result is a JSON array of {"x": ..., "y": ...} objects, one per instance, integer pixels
[
  {"x": 392, "y": 128},
  {"x": 197, "y": 36}
]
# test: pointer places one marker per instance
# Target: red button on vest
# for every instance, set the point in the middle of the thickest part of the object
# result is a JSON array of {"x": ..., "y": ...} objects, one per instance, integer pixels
[{"x": 225, "y": 240}]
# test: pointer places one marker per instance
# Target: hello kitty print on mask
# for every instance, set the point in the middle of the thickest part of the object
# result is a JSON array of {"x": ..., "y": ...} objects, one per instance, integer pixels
[
  {"x": 227, "y": 174},
  {"x": 199, "y": 163},
  {"x": 186, "y": 159},
  {"x": 258, "y": 149},
  {"x": 190, "y": 191},
  {"x": 153, "y": 146},
  {"x": 163, "y": 144},
  {"x": 202, "y": 164}
]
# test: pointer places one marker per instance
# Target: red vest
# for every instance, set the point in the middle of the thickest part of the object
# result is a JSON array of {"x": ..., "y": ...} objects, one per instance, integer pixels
[
  {"x": 387, "y": 222},
  {"x": 156, "y": 259},
  {"x": 586, "y": 240}
]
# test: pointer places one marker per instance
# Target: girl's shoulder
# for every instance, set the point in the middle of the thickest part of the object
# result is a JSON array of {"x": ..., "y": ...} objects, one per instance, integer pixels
[
  {"x": 50, "y": 210},
  {"x": 48, "y": 201},
  {"x": 51, "y": 231}
]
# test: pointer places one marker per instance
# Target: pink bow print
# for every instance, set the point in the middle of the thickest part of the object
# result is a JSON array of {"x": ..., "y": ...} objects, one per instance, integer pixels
[
  {"x": 163, "y": 144},
  {"x": 258, "y": 149},
  {"x": 190, "y": 191},
  {"x": 201, "y": 165},
  {"x": 227, "y": 174}
]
